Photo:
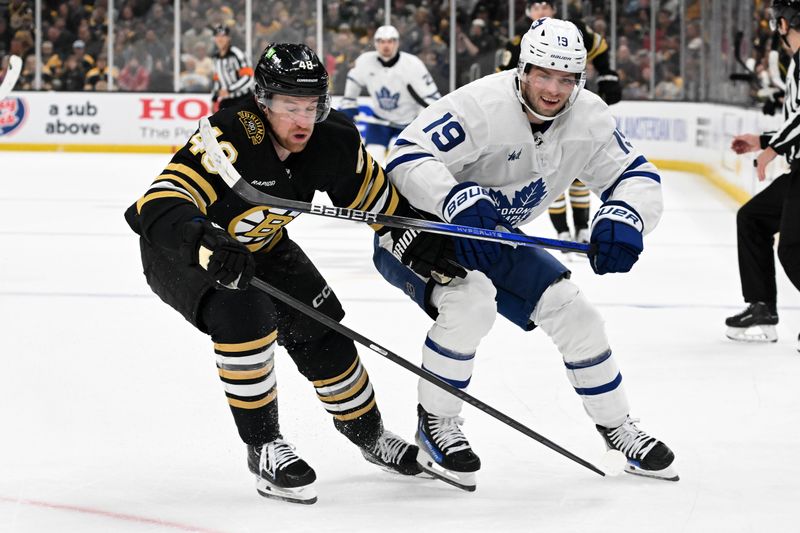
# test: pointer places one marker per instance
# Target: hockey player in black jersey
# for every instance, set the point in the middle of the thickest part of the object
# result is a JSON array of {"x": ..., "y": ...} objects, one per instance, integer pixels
[
  {"x": 287, "y": 142},
  {"x": 608, "y": 88}
]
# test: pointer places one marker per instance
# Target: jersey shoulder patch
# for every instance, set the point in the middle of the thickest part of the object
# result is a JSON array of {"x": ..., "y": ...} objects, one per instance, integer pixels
[{"x": 253, "y": 126}]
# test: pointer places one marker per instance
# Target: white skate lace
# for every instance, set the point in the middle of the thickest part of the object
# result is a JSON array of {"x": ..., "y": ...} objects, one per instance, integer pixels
[
  {"x": 447, "y": 434},
  {"x": 276, "y": 455},
  {"x": 390, "y": 448},
  {"x": 631, "y": 440}
]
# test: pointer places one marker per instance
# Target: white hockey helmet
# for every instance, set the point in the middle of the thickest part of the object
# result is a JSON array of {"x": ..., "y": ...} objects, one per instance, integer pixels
[
  {"x": 387, "y": 32},
  {"x": 556, "y": 45}
]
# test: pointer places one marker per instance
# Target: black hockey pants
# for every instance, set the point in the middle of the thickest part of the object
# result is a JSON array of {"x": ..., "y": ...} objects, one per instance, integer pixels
[{"x": 776, "y": 209}]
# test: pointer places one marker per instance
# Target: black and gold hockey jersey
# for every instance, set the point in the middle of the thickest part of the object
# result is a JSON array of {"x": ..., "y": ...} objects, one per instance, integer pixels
[{"x": 334, "y": 161}]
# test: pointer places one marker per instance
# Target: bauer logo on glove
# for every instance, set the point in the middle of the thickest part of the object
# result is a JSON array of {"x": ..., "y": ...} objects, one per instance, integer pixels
[{"x": 616, "y": 238}]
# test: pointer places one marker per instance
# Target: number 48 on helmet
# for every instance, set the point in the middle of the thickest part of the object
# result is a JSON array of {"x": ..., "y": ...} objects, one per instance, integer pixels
[{"x": 292, "y": 70}]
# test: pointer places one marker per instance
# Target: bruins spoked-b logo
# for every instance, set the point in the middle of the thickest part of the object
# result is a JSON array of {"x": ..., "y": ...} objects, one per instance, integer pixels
[{"x": 253, "y": 126}]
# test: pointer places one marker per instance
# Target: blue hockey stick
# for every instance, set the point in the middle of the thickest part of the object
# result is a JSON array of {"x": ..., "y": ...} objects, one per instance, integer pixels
[{"x": 249, "y": 193}]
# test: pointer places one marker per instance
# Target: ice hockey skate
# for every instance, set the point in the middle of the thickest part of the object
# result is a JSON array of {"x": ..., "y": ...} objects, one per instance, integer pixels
[
  {"x": 393, "y": 454},
  {"x": 647, "y": 456},
  {"x": 280, "y": 473},
  {"x": 754, "y": 324},
  {"x": 444, "y": 452}
]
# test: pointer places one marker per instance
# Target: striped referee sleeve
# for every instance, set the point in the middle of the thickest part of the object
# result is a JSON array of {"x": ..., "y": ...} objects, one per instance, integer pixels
[{"x": 785, "y": 141}]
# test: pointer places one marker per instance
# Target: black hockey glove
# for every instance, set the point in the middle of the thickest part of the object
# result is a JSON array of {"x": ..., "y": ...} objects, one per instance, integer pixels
[
  {"x": 609, "y": 88},
  {"x": 428, "y": 254},
  {"x": 227, "y": 260}
]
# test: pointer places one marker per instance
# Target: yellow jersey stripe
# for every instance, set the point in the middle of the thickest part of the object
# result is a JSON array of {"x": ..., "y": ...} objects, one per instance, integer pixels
[
  {"x": 377, "y": 186},
  {"x": 367, "y": 178},
  {"x": 243, "y": 404},
  {"x": 197, "y": 178},
  {"x": 247, "y": 346},
  {"x": 161, "y": 194},
  {"x": 393, "y": 202},
  {"x": 597, "y": 47},
  {"x": 201, "y": 203}
]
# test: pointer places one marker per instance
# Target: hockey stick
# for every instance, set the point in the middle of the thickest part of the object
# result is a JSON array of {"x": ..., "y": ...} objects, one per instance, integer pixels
[
  {"x": 430, "y": 378},
  {"x": 371, "y": 119},
  {"x": 252, "y": 195},
  {"x": 749, "y": 76},
  {"x": 12, "y": 74}
]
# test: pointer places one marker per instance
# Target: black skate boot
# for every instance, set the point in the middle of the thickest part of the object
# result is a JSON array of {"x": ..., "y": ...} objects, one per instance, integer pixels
[
  {"x": 647, "y": 456},
  {"x": 754, "y": 324},
  {"x": 280, "y": 473},
  {"x": 444, "y": 452},
  {"x": 393, "y": 454}
]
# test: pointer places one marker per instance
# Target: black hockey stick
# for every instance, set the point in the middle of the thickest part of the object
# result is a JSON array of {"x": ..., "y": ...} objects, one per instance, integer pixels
[
  {"x": 430, "y": 378},
  {"x": 749, "y": 76},
  {"x": 252, "y": 195}
]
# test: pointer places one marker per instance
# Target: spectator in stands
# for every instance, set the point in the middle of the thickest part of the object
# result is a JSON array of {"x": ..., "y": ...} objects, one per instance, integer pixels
[
  {"x": 161, "y": 77},
  {"x": 97, "y": 21},
  {"x": 97, "y": 77},
  {"x": 198, "y": 33},
  {"x": 134, "y": 76},
  {"x": 5, "y": 36},
  {"x": 51, "y": 69},
  {"x": 153, "y": 46},
  {"x": 73, "y": 75},
  {"x": 191, "y": 80},
  {"x": 670, "y": 86},
  {"x": 62, "y": 40},
  {"x": 94, "y": 46},
  {"x": 204, "y": 64},
  {"x": 27, "y": 77},
  {"x": 79, "y": 51}
]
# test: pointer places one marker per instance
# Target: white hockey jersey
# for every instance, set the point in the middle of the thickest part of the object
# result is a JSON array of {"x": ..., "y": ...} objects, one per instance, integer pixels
[
  {"x": 390, "y": 88},
  {"x": 480, "y": 133}
]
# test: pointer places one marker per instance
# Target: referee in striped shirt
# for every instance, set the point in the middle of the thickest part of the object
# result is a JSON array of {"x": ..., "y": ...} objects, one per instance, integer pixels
[
  {"x": 776, "y": 209},
  {"x": 233, "y": 74}
]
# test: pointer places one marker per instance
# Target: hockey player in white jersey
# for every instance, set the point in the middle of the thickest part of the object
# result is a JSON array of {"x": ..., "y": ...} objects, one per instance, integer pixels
[
  {"x": 398, "y": 84},
  {"x": 495, "y": 153}
]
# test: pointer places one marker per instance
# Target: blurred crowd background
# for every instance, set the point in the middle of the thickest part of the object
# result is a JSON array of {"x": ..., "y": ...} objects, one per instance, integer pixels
[{"x": 662, "y": 49}]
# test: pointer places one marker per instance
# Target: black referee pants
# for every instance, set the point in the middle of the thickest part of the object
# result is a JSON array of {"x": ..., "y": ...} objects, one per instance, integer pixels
[{"x": 776, "y": 209}]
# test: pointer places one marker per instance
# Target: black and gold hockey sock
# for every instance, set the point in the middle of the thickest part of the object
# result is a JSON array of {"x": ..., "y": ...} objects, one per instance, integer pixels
[
  {"x": 247, "y": 371},
  {"x": 558, "y": 214},
  {"x": 349, "y": 398},
  {"x": 579, "y": 200}
]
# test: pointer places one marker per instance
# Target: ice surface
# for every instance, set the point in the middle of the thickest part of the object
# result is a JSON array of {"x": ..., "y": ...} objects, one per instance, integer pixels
[{"x": 113, "y": 418}]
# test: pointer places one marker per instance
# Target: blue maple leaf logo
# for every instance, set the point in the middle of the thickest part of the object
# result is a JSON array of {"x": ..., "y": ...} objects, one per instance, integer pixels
[{"x": 386, "y": 99}]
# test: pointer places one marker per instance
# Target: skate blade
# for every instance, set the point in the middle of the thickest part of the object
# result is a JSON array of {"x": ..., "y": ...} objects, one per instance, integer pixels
[
  {"x": 305, "y": 495},
  {"x": 386, "y": 468},
  {"x": 753, "y": 334},
  {"x": 667, "y": 474},
  {"x": 462, "y": 480}
]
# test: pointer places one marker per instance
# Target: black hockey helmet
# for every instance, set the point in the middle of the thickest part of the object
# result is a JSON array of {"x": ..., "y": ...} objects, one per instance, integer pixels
[
  {"x": 785, "y": 9},
  {"x": 293, "y": 70}
]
